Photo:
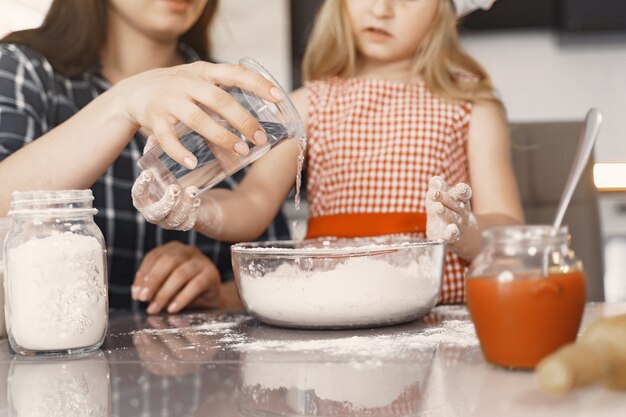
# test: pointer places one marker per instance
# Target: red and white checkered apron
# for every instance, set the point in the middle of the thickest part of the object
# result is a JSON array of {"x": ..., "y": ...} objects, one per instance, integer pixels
[{"x": 372, "y": 146}]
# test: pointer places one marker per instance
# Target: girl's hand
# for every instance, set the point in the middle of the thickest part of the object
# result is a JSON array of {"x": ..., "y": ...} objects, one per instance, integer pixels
[
  {"x": 449, "y": 216},
  {"x": 174, "y": 276},
  {"x": 157, "y": 100}
]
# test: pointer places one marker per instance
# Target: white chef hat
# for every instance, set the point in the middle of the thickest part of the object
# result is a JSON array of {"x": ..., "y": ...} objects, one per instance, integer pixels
[{"x": 465, "y": 7}]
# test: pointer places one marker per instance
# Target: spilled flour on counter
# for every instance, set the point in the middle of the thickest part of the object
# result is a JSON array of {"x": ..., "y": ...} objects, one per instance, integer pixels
[
  {"x": 221, "y": 329},
  {"x": 240, "y": 333},
  {"x": 455, "y": 333},
  {"x": 205, "y": 328}
]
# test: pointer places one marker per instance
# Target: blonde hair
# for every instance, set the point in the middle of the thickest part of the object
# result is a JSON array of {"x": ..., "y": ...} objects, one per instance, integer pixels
[{"x": 441, "y": 61}]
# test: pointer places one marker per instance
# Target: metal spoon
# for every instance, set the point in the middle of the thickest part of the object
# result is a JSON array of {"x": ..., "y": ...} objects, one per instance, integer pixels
[{"x": 593, "y": 120}]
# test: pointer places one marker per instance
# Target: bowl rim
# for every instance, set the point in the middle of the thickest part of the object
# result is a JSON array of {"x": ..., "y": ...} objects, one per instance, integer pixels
[{"x": 268, "y": 248}]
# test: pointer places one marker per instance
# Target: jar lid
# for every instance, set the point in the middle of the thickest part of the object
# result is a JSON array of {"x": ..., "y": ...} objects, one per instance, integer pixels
[{"x": 46, "y": 201}]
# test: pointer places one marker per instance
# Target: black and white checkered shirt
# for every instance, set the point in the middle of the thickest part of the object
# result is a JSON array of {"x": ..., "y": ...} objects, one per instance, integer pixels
[{"x": 34, "y": 98}]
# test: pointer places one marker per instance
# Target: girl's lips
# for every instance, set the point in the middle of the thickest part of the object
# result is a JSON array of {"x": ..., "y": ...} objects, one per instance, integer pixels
[
  {"x": 179, "y": 5},
  {"x": 377, "y": 34}
]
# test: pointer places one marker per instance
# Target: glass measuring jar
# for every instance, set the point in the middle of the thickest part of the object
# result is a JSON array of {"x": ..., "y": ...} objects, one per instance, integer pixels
[
  {"x": 280, "y": 121},
  {"x": 56, "y": 278},
  {"x": 525, "y": 293}
]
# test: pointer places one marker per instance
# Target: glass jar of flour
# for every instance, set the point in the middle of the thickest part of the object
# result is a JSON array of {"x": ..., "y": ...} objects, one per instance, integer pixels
[{"x": 55, "y": 274}]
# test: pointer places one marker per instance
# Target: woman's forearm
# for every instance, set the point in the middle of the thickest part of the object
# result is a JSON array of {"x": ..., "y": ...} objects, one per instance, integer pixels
[{"x": 74, "y": 154}]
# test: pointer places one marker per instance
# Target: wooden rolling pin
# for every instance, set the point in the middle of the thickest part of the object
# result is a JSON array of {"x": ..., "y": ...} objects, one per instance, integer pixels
[{"x": 598, "y": 356}]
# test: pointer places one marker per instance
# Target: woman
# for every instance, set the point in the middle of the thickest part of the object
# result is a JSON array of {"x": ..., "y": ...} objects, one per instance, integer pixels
[{"x": 78, "y": 97}]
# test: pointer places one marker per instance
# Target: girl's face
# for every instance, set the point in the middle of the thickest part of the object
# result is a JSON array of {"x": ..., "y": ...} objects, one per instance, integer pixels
[
  {"x": 390, "y": 30},
  {"x": 158, "y": 19}
]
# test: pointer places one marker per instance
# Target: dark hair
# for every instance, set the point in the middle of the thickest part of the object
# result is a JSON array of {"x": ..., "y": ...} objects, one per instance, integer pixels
[{"x": 74, "y": 31}]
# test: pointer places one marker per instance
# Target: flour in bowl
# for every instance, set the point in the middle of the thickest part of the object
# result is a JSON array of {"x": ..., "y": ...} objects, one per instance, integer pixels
[{"x": 360, "y": 291}]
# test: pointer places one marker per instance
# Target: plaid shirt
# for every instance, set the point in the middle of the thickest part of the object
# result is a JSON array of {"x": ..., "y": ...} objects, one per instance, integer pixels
[{"x": 34, "y": 99}]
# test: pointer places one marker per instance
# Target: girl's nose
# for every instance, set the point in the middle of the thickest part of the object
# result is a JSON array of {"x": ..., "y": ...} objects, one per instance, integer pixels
[{"x": 382, "y": 8}]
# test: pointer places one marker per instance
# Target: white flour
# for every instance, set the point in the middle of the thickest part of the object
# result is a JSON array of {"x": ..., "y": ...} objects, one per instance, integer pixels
[
  {"x": 361, "y": 291},
  {"x": 232, "y": 333},
  {"x": 200, "y": 329},
  {"x": 457, "y": 333},
  {"x": 57, "y": 293},
  {"x": 211, "y": 328}
]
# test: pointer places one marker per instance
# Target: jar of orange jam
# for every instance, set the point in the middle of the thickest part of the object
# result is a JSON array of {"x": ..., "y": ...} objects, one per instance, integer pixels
[{"x": 525, "y": 293}]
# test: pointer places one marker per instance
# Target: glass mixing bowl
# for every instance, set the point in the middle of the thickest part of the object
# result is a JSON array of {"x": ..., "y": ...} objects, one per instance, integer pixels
[{"x": 339, "y": 283}]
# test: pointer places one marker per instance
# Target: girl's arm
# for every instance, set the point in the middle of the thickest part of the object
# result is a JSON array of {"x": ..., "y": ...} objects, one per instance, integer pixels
[
  {"x": 495, "y": 199},
  {"x": 244, "y": 213},
  {"x": 494, "y": 195}
]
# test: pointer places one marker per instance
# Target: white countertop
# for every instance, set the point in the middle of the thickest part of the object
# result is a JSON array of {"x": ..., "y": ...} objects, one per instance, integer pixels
[{"x": 229, "y": 365}]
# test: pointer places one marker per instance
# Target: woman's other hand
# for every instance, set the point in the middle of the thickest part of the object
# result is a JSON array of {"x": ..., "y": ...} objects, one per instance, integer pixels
[
  {"x": 159, "y": 99},
  {"x": 174, "y": 276}
]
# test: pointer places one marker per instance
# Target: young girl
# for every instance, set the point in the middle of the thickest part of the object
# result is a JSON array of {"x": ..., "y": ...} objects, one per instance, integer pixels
[{"x": 395, "y": 111}]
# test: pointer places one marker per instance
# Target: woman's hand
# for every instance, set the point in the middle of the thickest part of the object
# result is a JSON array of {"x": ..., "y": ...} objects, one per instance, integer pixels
[
  {"x": 157, "y": 100},
  {"x": 176, "y": 210},
  {"x": 450, "y": 218},
  {"x": 174, "y": 276}
]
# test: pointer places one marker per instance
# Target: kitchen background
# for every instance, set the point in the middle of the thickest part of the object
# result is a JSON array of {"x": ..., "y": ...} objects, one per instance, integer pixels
[{"x": 551, "y": 60}]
